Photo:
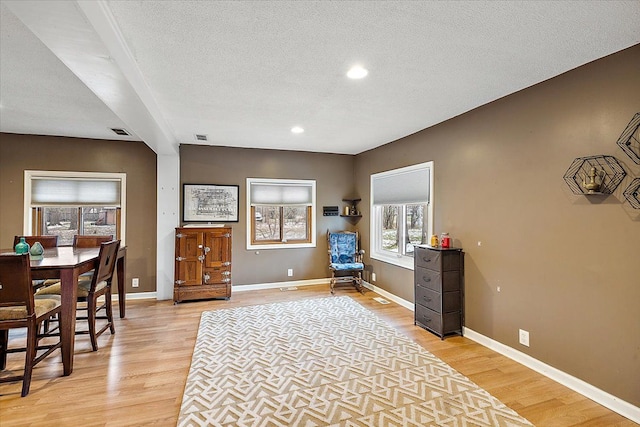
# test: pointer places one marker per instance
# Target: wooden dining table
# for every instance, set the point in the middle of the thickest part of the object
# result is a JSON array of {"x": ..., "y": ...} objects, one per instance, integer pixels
[{"x": 67, "y": 263}]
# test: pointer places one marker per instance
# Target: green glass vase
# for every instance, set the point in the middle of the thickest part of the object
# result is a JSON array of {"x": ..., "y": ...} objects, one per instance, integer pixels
[{"x": 22, "y": 247}]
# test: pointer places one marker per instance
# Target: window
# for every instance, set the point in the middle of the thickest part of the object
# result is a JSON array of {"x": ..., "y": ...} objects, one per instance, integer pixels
[
  {"x": 280, "y": 213},
  {"x": 402, "y": 213},
  {"x": 69, "y": 203}
]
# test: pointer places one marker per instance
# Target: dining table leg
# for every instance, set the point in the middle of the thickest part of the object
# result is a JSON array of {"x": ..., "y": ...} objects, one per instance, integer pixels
[
  {"x": 121, "y": 265},
  {"x": 68, "y": 294}
]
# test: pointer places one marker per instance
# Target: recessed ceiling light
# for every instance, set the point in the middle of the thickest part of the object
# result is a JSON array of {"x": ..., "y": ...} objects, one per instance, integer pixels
[
  {"x": 297, "y": 129},
  {"x": 357, "y": 72}
]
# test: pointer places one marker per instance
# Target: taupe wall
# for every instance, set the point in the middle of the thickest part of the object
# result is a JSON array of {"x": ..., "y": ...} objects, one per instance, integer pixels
[
  {"x": 232, "y": 166},
  {"x": 20, "y": 152},
  {"x": 567, "y": 265}
]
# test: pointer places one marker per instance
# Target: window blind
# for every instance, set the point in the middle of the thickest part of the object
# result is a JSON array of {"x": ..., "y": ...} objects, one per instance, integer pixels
[
  {"x": 269, "y": 193},
  {"x": 69, "y": 191},
  {"x": 402, "y": 186}
]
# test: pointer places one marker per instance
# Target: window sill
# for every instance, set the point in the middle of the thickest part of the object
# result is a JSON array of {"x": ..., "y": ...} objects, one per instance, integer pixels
[{"x": 398, "y": 260}]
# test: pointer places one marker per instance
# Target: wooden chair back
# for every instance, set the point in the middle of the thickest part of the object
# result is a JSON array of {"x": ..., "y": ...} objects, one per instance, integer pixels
[
  {"x": 47, "y": 242},
  {"x": 106, "y": 263},
  {"x": 90, "y": 240},
  {"x": 15, "y": 282}
]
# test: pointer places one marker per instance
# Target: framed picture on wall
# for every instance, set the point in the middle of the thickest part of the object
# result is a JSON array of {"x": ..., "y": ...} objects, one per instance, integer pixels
[{"x": 210, "y": 203}]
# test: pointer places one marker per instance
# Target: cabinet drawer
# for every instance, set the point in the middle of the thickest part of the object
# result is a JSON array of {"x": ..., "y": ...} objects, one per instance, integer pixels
[
  {"x": 428, "y": 298},
  {"x": 451, "y": 301},
  {"x": 428, "y": 278},
  {"x": 440, "y": 303},
  {"x": 428, "y": 259},
  {"x": 429, "y": 319},
  {"x": 216, "y": 275}
]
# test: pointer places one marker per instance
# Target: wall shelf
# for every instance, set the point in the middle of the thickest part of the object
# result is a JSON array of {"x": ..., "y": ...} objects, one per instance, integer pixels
[
  {"x": 612, "y": 174},
  {"x": 632, "y": 193},
  {"x": 629, "y": 141},
  {"x": 353, "y": 209}
]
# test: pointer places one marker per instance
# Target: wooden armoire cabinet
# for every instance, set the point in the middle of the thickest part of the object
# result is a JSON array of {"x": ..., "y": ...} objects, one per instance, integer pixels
[{"x": 203, "y": 263}]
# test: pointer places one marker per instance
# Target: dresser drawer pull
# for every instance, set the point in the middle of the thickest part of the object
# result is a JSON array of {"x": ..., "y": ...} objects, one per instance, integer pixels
[
  {"x": 427, "y": 299},
  {"x": 427, "y": 319},
  {"x": 426, "y": 259},
  {"x": 426, "y": 279}
]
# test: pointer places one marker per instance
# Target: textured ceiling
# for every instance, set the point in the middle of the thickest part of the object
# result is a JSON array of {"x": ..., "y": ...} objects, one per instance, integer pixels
[{"x": 244, "y": 73}]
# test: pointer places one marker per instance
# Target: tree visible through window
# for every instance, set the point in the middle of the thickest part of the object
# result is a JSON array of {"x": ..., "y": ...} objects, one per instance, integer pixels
[
  {"x": 401, "y": 213},
  {"x": 70, "y": 203},
  {"x": 280, "y": 213}
]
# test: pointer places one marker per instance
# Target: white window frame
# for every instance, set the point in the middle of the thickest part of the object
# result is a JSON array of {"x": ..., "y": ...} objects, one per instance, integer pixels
[
  {"x": 375, "y": 249},
  {"x": 29, "y": 175},
  {"x": 249, "y": 219}
]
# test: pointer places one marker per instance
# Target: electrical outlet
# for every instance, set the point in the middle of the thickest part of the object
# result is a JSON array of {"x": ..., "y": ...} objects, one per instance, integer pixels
[
  {"x": 135, "y": 282},
  {"x": 290, "y": 272},
  {"x": 524, "y": 337},
  {"x": 373, "y": 277}
]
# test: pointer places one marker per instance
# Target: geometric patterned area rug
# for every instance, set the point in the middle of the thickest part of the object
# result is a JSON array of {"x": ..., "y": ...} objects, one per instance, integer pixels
[{"x": 324, "y": 362}]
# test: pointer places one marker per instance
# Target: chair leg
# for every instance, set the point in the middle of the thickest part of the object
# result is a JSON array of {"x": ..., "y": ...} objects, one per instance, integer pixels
[
  {"x": 4, "y": 342},
  {"x": 30, "y": 357},
  {"x": 333, "y": 282},
  {"x": 91, "y": 318},
  {"x": 109, "y": 309}
]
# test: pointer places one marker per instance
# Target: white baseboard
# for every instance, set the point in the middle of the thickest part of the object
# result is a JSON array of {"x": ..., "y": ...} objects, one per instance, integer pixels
[
  {"x": 406, "y": 304},
  {"x": 605, "y": 399},
  {"x": 138, "y": 295},
  {"x": 244, "y": 288}
]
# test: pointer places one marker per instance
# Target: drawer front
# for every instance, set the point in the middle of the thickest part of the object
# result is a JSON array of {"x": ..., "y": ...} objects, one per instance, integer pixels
[
  {"x": 429, "y": 298},
  {"x": 451, "y": 281},
  {"x": 451, "y": 301},
  {"x": 427, "y": 258},
  {"x": 451, "y": 260},
  {"x": 452, "y": 322},
  {"x": 428, "y": 278},
  {"x": 216, "y": 275},
  {"x": 429, "y": 319}
]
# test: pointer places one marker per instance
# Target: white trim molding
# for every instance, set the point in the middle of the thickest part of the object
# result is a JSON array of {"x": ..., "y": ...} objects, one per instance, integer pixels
[{"x": 605, "y": 399}]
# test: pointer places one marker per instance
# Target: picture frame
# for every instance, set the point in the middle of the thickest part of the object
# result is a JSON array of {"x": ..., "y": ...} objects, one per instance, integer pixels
[{"x": 210, "y": 203}]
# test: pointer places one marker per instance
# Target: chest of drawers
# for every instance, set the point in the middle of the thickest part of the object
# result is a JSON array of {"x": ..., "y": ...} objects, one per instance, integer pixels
[{"x": 439, "y": 289}]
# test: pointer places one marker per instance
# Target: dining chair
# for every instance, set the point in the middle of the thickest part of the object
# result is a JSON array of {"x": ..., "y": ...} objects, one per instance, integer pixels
[
  {"x": 47, "y": 242},
  {"x": 89, "y": 291},
  {"x": 19, "y": 308},
  {"x": 89, "y": 240}
]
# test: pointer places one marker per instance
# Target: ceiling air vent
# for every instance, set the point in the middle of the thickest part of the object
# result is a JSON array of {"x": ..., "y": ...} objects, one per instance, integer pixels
[
  {"x": 201, "y": 137},
  {"x": 120, "y": 132}
]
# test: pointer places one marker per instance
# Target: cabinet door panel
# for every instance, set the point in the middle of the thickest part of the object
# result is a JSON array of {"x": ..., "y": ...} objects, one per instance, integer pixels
[
  {"x": 188, "y": 266},
  {"x": 219, "y": 244}
]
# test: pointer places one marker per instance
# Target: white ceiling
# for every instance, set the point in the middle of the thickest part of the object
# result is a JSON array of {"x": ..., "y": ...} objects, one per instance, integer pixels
[{"x": 244, "y": 72}]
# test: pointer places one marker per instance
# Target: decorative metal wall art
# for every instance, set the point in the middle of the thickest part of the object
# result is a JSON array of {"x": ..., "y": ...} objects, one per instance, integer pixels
[
  {"x": 594, "y": 175},
  {"x": 632, "y": 193},
  {"x": 629, "y": 141}
]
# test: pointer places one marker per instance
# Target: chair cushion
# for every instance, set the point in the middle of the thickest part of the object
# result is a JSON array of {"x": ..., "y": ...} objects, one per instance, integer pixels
[
  {"x": 346, "y": 266},
  {"x": 42, "y": 305},
  {"x": 342, "y": 247},
  {"x": 83, "y": 288}
]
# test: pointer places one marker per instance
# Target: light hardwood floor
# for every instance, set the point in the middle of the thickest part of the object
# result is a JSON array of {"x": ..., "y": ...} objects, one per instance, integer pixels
[{"x": 137, "y": 376}]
